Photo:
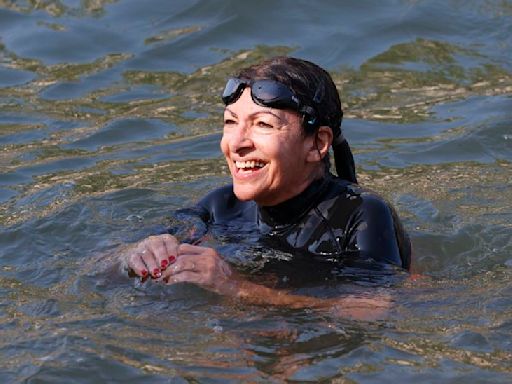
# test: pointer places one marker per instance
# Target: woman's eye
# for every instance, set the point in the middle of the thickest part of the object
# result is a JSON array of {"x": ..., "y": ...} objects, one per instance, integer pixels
[
  {"x": 229, "y": 121},
  {"x": 262, "y": 124}
]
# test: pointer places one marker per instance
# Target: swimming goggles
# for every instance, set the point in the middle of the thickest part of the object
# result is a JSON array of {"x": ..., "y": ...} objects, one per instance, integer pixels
[{"x": 267, "y": 93}]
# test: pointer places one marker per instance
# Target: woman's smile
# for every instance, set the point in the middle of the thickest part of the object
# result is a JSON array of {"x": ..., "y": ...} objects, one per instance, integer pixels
[{"x": 249, "y": 165}]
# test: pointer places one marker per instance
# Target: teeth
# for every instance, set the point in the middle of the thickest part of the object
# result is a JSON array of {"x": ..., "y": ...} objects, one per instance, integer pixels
[{"x": 249, "y": 164}]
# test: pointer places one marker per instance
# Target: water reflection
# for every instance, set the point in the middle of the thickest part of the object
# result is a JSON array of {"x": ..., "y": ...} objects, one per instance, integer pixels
[
  {"x": 57, "y": 8},
  {"x": 111, "y": 119}
]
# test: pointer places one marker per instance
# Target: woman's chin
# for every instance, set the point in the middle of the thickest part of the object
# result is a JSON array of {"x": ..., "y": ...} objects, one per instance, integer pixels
[{"x": 245, "y": 192}]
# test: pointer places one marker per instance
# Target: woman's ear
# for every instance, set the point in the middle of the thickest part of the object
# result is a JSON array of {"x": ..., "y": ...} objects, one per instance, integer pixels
[{"x": 322, "y": 140}]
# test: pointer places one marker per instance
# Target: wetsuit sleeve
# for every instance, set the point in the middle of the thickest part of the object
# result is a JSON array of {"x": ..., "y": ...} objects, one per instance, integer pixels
[
  {"x": 191, "y": 224},
  {"x": 371, "y": 230}
]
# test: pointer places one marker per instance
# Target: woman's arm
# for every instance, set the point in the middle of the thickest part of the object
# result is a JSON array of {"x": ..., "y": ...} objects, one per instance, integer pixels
[{"x": 171, "y": 263}]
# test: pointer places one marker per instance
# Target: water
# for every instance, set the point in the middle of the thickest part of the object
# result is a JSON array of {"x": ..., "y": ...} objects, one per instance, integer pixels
[{"x": 110, "y": 119}]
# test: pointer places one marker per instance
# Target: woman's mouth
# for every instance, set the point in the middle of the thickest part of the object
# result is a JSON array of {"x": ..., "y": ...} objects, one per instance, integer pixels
[{"x": 248, "y": 167}]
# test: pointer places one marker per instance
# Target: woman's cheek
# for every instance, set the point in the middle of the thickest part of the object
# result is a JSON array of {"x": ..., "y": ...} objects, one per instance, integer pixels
[{"x": 224, "y": 145}]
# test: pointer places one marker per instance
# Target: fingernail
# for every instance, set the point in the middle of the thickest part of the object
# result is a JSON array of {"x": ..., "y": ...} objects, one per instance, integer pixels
[
  {"x": 172, "y": 259},
  {"x": 144, "y": 273},
  {"x": 164, "y": 264},
  {"x": 156, "y": 273}
]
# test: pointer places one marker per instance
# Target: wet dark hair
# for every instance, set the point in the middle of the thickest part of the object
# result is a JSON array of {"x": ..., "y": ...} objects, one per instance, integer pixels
[{"x": 314, "y": 87}]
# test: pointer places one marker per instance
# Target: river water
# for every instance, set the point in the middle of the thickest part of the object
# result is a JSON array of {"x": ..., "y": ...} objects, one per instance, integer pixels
[{"x": 110, "y": 119}]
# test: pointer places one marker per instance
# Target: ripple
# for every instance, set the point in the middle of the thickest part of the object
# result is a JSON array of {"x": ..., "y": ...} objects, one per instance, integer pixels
[
  {"x": 111, "y": 120},
  {"x": 12, "y": 77}
]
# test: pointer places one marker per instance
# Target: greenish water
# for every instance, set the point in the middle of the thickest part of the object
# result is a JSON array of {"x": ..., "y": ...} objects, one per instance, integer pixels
[{"x": 110, "y": 118}]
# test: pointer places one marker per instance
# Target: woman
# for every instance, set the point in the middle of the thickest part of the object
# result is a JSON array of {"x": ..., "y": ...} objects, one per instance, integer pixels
[{"x": 281, "y": 118}]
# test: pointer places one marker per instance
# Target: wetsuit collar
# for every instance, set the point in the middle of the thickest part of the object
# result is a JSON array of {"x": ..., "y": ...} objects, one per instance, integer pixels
[{"x": 289, "y": 211}]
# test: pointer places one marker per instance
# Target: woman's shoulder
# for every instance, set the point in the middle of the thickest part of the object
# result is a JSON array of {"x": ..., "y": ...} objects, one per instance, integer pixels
[
  {"x": 356, "y": 195},
  {"x": 359, "y": 204},
  {"x": 347, "y": 203}
]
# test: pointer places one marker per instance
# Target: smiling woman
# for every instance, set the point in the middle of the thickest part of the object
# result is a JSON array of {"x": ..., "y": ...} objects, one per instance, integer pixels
[{"x": 280, "y": 120}]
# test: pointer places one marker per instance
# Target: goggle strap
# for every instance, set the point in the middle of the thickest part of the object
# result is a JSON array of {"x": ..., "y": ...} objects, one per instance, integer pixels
[{"x": 307, "y": 110}]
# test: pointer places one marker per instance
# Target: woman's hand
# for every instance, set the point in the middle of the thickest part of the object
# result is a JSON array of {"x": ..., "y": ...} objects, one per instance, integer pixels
[
  {"x": 153, "y": 255},
  {"x": 202, "y": 266}
]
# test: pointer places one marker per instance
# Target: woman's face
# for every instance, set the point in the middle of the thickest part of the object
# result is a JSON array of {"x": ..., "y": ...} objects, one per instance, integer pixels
[{"x": 266, "y": 151}]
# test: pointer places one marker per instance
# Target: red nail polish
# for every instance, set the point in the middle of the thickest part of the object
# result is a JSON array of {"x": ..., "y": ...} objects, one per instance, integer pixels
[
  {"x": 172, "y": 259},
  {"x": 144, "y": 273},
  {"x": 156, "y": 272},
  {"x": 164, "y": 264}
]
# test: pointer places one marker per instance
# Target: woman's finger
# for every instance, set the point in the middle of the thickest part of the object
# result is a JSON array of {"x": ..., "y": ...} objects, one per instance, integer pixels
[
  {"x": 151, "y": 264},
  {"x": 184, "y": 277},
  {"x": 185, "y": 263},
  {"x": 192, "y": 249},
  {"x": 171, "y": 245},
  {"x": 137, "y": 265},
  {"x": 157, "y": 249}
]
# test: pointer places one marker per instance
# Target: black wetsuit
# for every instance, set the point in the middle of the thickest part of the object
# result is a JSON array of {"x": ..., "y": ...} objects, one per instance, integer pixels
[{"x": 332, "y": 220}]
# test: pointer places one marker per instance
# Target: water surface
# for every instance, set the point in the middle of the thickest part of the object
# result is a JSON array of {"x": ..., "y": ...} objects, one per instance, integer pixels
[{"x": 110, "y": 119}]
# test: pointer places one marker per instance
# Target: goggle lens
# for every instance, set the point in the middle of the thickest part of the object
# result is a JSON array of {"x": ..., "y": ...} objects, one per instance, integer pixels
[
  {"x": 267, "y": 93},
  {"x": 233, "y": 90}
]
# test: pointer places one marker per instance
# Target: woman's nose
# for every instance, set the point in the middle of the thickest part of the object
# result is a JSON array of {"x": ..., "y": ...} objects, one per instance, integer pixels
[{"x": 240, "y": 138}]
